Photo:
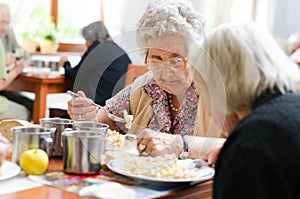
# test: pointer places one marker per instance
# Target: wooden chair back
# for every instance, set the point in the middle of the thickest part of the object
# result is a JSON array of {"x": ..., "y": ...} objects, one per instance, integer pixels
[{"x": 134, "y": 71}]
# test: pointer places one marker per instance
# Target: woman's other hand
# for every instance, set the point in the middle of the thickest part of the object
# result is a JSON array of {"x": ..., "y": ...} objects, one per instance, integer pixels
[
  {"x": 157, "y": 143},
  {"x": 212, "y": 156},
  {"x": 81, "y": 108}
]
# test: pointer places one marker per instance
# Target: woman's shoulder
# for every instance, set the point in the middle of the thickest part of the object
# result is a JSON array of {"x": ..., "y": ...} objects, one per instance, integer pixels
[
  {"x": 142, "y": 80},
  {"x": 137, "y": 91},
  {"x": 278, "y": 116}
]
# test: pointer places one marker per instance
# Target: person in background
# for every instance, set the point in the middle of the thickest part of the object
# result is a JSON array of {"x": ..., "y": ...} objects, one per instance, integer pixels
[
  {"x": 7, "y": 35},
  {"x": 10, "y": 109},
  {"x": 163, "y": 102},
  {"x": 106, "y": 57},
  {"x": 260, "y": 157},
  {"x": 11, "y": 47}
]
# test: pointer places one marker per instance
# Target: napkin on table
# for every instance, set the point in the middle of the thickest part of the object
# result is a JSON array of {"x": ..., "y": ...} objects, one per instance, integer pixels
[{"x": 112, "y": 190}]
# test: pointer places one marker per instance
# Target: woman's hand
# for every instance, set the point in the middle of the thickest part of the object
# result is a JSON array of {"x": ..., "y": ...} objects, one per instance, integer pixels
[
  {"x": 81, "y": 108},
  {"x": 212, "y": 157},
  {"x": 156, "y": 143}
]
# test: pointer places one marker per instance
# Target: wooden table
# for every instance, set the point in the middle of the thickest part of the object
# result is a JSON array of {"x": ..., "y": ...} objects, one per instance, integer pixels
[
  {"x": 203, "y": 191},
  {"x": 41, "y": 87}
]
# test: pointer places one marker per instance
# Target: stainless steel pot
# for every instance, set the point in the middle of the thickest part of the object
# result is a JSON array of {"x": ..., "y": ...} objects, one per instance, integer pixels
[
  {"x": 57, "y": 126},
  {"x": 25, "y": 138},
  {"x": 90, "y": 126},
  {"x": 82, "y": 151}
]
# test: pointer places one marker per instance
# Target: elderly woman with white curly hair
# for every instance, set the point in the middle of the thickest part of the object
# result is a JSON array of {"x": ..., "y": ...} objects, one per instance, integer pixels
[
  {"x": 163, "y": 102},
  {"x": 260, "y": 158}
]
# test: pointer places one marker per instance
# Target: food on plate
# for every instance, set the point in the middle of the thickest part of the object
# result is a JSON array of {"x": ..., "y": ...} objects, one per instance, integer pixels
[
  {"x": 6, "y": 125},
  {"x": 166, "y": 166},
  {"x": 4, "y": 147},
  {"x": 128, "y": 119},
  {"x": 34, "y": 161},
  {"x": 9, "y": 153},
  {"x": 114, "y": 139},
  {"x": 39, "y": 72}
]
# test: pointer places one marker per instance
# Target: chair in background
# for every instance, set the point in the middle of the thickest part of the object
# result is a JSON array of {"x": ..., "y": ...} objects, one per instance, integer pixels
[{"x": 133, "y": 72}]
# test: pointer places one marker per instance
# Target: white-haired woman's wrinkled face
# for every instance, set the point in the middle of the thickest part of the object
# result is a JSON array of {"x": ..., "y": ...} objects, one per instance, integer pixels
[{"x": 166, "y": 58}]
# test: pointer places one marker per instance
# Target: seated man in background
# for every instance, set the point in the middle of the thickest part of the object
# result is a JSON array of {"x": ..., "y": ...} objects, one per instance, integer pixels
[
  {"x": 7, "y": 35},
  {"x": 10, "y": 109},
  {"x": 11, "y": 47},
  {"x": 103, "y": 56}
]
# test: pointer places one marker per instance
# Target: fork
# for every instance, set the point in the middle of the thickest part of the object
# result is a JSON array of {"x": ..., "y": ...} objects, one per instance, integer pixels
[{"x": 111, "y": 116}]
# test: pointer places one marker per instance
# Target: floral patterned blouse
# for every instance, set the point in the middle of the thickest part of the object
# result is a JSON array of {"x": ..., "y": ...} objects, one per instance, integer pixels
[{"x": 161, "y": 121}]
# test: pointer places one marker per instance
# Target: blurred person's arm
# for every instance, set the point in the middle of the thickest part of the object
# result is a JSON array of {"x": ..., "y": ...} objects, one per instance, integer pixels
[
  {"x": 10, "y": 58},
  {"x": 62, "y": 60},
  {"x": 13, "y": 73}
]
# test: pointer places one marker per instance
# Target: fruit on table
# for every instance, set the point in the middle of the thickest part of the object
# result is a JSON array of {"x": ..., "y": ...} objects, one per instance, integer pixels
[{"x": 34, "y": 161}]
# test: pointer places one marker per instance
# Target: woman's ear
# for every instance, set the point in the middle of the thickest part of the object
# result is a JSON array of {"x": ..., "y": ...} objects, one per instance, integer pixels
[
  {"x": 88, "y": 43},
  {"x": 230, "y": 122}
]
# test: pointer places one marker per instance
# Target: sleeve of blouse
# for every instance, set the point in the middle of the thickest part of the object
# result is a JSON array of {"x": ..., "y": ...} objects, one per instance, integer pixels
[{"x": 120, "y": 102}]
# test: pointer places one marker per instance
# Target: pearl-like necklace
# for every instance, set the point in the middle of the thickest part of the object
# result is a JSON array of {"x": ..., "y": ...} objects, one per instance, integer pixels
[{"x": 173, "y": 108}]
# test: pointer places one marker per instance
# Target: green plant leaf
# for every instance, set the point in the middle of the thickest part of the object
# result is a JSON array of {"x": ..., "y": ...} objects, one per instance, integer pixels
[{"x": 50, "y": 37}]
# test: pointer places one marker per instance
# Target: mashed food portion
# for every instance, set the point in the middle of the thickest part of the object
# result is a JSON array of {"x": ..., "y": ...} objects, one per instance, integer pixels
[
  {"x": 114, "y": 142},
  {"x": 114, "y": 139},
  {"x": 166, "y": 166},
  {"x": 4, "y": 147},
  {"x": 128, "y": 118}
]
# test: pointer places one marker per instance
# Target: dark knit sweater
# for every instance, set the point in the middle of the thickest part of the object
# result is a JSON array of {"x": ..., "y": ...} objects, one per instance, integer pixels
[{"x": 261, "y": 157}]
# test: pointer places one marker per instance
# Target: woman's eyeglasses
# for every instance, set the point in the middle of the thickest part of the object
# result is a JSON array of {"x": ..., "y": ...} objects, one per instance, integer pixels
[{"x": 175, "y": 63}]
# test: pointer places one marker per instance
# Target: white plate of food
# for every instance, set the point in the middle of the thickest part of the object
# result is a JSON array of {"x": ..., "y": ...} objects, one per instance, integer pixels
[
  {"x": 9, "y": 170},
  {"x": 164, "y": 169}
]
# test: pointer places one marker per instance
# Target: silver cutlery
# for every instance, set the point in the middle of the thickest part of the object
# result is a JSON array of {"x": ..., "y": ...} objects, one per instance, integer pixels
[{"x": 111, "y": 116}]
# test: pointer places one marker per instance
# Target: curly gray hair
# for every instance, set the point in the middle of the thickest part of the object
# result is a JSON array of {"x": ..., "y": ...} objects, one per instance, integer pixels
[
  {"x": 95, "y": 31},
  {"x": 170, "y": 17}
]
